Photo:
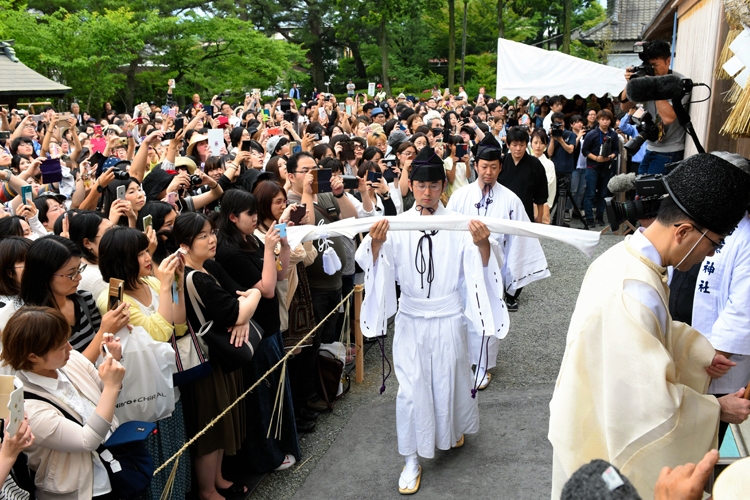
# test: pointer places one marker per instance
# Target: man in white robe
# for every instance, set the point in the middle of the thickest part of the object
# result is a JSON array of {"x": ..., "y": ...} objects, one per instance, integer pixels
[
  {"x": 632, "y": 385},
  {"x": 721, "y": 305},
  {"x": 523, "y": 260},
  {"x": 435, "y": 405}
]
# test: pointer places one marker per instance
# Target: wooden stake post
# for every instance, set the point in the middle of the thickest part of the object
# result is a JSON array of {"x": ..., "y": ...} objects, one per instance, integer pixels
[{"x": 359, "y": 362}]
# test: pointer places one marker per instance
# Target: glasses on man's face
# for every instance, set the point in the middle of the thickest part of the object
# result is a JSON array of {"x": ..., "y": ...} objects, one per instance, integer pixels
[
  {"x": 75, "y": 275},
  {"x": 203, "y": 236},
  {"x": 704, "y": 233}
]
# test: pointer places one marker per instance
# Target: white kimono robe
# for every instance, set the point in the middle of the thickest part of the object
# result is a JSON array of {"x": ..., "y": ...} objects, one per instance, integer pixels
[
  {"x": 721, "y": 307},
  {"x": 523, "y": 260},
  {"x": 434, "y": 405}
]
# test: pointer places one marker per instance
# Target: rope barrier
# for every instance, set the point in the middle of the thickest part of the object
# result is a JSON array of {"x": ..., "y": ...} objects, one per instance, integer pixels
[{"x": 242, "y": 396}]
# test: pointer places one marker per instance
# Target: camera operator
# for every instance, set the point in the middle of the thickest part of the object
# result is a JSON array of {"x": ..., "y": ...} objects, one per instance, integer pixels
[
  {"x": 632, "y": 385},
  {"x": 669, "y": 147},
  {"x": 560, "y": 150}
]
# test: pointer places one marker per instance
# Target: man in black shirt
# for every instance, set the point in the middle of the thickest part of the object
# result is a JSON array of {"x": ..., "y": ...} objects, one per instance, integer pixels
[{"x": 524, "y": 174}]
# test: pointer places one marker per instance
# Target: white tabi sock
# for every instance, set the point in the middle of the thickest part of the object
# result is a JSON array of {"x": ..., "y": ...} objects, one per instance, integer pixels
[{"x": 409, "y": 474}]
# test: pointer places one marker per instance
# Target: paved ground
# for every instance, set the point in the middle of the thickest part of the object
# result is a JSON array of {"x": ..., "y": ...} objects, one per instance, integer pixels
[{"x": 352, "y": 454}]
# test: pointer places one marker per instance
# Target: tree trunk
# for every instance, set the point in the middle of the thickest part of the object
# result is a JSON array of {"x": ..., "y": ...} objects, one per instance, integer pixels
[
  {"x": 566, "y": 26},
  {"x": 359, "y": 64},
  {"x": 130, "y": 84},
  {"x": 500, "y": 20},
  {"x": 315, "y": 54},
  {"x": 451, "y": 43},
  {"x": 463, "y": 44},
  {"x": 383, "y": 41}
]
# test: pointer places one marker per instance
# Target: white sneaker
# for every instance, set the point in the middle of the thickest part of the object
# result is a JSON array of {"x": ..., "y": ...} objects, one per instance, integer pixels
[{"x": 289, "y": 460}]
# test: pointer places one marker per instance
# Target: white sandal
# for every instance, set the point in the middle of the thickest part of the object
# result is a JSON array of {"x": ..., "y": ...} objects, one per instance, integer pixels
[{"x": 403, "y": 484}]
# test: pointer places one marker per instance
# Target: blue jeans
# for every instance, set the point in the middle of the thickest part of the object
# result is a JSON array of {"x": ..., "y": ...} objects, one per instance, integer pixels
[
  {"x": 578, "y": 187},
  {"x": 596, "y": 191},
  {"x": 653, "y": 162}
]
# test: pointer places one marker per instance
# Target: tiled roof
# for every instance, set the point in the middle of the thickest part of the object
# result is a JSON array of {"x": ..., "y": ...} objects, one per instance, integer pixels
[
  {"x": 626, "y": 20},
  {"x": 17, "y": 79}
]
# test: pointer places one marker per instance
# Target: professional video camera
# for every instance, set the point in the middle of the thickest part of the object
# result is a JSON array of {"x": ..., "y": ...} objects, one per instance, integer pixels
[
  {"x": 556, "y": 129},
  {"x": 649, "y": 190},
  {"x": 647, "y": 131},
  {"x": 645, "y": 69}
]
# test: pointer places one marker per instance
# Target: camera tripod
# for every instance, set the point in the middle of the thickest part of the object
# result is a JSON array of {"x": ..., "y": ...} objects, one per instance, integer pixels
[{"x": 564, "y": 194}]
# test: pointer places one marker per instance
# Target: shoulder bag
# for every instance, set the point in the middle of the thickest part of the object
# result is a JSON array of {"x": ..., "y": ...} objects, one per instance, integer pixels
[{"x": 229, "y": 357}]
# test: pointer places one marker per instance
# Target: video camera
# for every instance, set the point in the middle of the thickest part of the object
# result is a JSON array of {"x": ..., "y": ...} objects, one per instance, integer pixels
[
  {"x": 645, "y": 69},
  {"x": 649, "y": 190},
  {"x": 647, "y": 131},
  {"x": 556, "y": 129}
]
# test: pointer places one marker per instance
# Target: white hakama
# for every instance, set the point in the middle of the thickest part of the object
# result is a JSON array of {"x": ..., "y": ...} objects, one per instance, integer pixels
[
  {"x": 430, "y": 352},
  {"x": 521, "y": 259}
]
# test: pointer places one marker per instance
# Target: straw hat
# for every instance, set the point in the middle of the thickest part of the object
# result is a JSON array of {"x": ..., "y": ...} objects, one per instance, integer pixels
[{"x": 195, "y": 139}]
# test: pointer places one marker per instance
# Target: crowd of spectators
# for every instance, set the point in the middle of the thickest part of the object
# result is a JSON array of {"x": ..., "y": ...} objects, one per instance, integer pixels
[{"x": 149, "y": 195}]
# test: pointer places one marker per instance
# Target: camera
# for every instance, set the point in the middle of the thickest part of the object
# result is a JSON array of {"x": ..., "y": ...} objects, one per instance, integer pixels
[
  {"x": 645, "y": 69},
  {"x": 647, "y": 131},
  {"x": 556, "y": 129},
  {"x": 195, "y": 180},
  {"x": 121, "y": 175},
  {"x": 649, "y": 190}
]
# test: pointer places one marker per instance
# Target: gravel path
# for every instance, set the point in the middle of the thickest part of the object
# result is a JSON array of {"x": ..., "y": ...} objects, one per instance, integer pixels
[{"x": 529, "y": 356}]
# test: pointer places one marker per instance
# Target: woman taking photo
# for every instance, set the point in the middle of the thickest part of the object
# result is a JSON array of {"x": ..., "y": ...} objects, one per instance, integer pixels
[
  {"x": 123, "y": 254},
  {"x": 230, "y": 307},
  {"x": 258, "y": 267},
  {"x": 51, "y": 275},
  {"x": 35, "y": 344}
]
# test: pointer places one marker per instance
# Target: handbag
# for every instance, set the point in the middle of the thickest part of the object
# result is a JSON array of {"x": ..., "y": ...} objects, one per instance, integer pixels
[
  {"x": 124, "y": 455},
  {"x": 331, "y": 373},
  {"x": 191, "y": 358},
  {"x": 148, "y": 388},
  {"x": 229, "y": 357}
]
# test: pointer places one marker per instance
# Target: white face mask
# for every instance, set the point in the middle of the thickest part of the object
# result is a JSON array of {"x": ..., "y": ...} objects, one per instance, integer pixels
[{"x": 691, "y": 250}]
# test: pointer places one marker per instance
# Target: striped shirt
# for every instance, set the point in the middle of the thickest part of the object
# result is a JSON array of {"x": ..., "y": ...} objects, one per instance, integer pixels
[{"x": 84, "y": 329}]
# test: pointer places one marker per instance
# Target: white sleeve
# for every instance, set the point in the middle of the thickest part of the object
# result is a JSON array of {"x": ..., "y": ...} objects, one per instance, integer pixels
[
  {"x": 37, "y": 228},
  {"x": 358, "y": 206},
  {"x": 395, "y": 191},
  {"x": 485, "y": 291},
  {"x": 380, "y": 288}
]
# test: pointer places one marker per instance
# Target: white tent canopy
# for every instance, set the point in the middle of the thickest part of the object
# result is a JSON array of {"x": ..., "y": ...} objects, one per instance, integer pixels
[{"x": 525, "y": 71}]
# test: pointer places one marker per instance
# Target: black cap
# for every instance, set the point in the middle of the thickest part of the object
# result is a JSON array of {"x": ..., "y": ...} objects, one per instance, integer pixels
[
  {"x": 489, "y": 149},
  {"x": 710, "y": 190},
  {"x": 427, "y": 166}
]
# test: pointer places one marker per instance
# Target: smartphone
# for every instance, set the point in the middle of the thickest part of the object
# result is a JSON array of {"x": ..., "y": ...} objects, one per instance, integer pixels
[
  {"x": 26, "y": 194},
  {"x": 4, "y": 135},
  {"x": 170, "y": 82},
  {"x": 267, "y": 113},
  {"x": 98, "y": 129},
  {"x": 321, "y": 180},
  {"x": 115, "y": 293},
  {"x": 104, "y": 351},
  {"x": 389, "y": 175},
  {"x": 148, "y": 221},
  {"x": 462, "y": 150},
  {"x": 245, "y": 146},
  {"x": 36, "y": 118},
  {"x": 342, "y": 107},
  {"x": 179, "y": 123},
  {"x": 274, "y": 131},
  {"x": 348, "y": 109},
  {"x": 350, "y": 181},
  {"x": 298, "y": 214},
  {"x": 294, "y": 147},
  {"x": 139, "y": 120},
  {"x": 172, "y": 114},
  {"x": 51, "y": 170},
  {"x": 120, "y": 192},
  {"x": 322, "y": 112},
  {"x": 374, "y": 176},
  {"x": 172, "y": 198},
  {"x": 282, "y": 229}
]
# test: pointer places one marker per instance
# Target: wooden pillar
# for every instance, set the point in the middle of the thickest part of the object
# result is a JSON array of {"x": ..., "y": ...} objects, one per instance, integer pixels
[{"x": 359, "y": 363}]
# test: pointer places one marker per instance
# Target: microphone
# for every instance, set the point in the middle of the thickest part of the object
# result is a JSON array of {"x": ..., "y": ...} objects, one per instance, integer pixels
[
  {"x": 658, "y": 88},
  {"x": 622, "y": 183}
]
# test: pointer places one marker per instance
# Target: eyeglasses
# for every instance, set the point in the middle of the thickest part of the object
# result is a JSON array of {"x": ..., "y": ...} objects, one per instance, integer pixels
[
  {"x": 704, "y": 234},
  {"x": 409, "y": 154},
  {"x": 203, "y": 236},
  {"x": 75, "y": 275}
]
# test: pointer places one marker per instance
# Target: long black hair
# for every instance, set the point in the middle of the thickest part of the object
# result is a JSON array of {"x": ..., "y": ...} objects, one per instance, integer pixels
[
  {"x": 158, "y": 210},
  {"x": 44, "y": 258},
  {"x": 118, "y": 255},
  {"x": 11, "y": 226},
  {"x": 85, "y": 226},
  {"x": 236, "y": 201},
  {"x": 13, "y": 250}
]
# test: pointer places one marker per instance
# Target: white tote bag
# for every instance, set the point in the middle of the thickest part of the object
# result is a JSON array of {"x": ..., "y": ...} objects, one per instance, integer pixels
[{"x": 148, "y": 392}]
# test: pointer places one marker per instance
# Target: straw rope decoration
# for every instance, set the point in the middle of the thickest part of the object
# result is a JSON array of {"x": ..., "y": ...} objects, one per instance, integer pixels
[
  {"x": 738, "y": 122},
  {"x": 167, "y": 493}
]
